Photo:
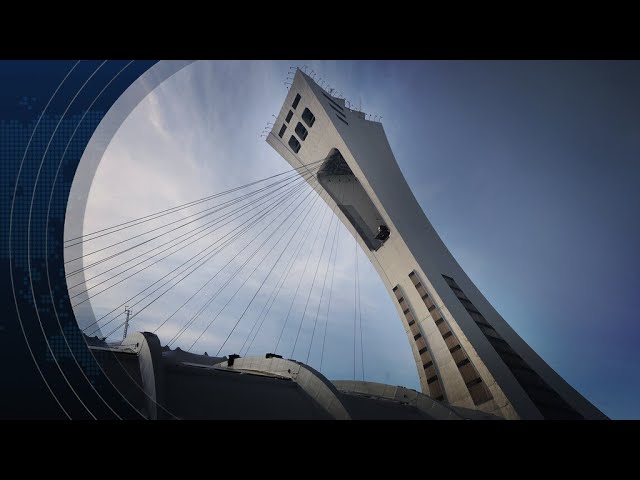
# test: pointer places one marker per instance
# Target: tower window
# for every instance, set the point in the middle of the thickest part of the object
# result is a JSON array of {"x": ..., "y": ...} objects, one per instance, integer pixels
[
  {"x": 332, "y": 101},
  {"x": 294, "y": 144},
  {"x": 308, "y": 117},
  {"x": 338, "y": 112},
  {"x": 343, "y": 121},
  {"x": 296, "y": 101},
  {"x": 282, "y": 130},
  {"x": 450, "y": 281},
  {"x": 289, "y": 115},
  {"x": 301, "y": 131},
  {"x": 463, "y": 362}
]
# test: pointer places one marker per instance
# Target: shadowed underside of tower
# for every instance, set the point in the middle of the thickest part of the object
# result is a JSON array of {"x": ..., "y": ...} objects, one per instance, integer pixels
[{"x": 467, "y": 356}]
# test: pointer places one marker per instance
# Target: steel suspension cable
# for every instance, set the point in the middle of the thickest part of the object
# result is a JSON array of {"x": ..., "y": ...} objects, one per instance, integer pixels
[
  {"x": 260, "y": 288},
  {"x": 194, "y": 318},
  {"x": 214, "y": 221},
  {"x": 299, "y": 283},
  {"x": 155, "y": 255},
  {"x": 163, "y": 293},
  {"x": 193, "y": 269},
  {"x": 283, "y": 278},
  {"x": 201, "y": 252},
  {"x": 202, "y": 287},
  {"x": 355, "y": 306},
  {"x": 261, "y": 215},
  {"x": 324, "y": 281},
  {"x": 216, "y": 209},
  {"x": 252, "y": 272},
  {"x": 360, "y": 315},
  {"x": 326, "y": 324},
  {"x": 188, "y": 204},
  {"x": 313, "y": 282}
]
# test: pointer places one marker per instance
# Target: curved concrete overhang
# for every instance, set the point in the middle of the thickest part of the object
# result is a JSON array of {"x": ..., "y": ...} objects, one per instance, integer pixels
[
  {"x": 424, "y": 403},
  {"x": 340, "y": 399},
  {"x": 314, "y": 384},
  {"x": 149, "y": 356},
  {"x": 146, "y": 346},
  {"x": 88, "y": 165}
]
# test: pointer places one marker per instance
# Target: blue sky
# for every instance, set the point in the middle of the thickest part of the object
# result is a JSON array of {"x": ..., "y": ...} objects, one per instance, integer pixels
[{"x": 528, "y": 170}]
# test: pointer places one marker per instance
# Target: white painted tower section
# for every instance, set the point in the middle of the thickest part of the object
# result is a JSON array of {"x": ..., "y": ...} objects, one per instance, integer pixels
[{"x": 465, "y": 353}]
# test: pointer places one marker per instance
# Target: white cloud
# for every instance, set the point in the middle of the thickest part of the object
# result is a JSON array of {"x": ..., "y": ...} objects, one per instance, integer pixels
[{"x": 198, "y": 134}]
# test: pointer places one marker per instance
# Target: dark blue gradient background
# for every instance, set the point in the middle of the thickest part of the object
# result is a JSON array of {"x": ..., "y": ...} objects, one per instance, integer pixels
[{"x": 27, "y": 301}]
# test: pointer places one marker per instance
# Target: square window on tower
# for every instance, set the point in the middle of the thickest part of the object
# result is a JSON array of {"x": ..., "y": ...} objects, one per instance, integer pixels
[
  {"x": 296, "y": 101},
  {"x": 301, "y": 131},
  {"x": 294, "y": 144},
  {"x": 308, "y": 117}
]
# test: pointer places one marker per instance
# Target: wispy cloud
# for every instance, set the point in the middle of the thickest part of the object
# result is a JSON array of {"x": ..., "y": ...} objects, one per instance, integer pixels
[
  {"x": 198, "y": 134},
  {"x": 527, "y": 170}
]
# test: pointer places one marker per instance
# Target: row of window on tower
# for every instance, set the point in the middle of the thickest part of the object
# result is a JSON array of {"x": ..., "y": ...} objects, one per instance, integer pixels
[
  {"x": 550, "y": 404},
  {"x": 300, "y": 130},
  {"x": 434, "y": 386},
  {"x": 337, "y": 108},
  {"x": 476, "y": 387}
]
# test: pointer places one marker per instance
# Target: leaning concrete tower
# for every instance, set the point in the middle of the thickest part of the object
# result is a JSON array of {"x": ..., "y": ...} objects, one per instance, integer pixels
[{"x": 465, "y": 352}]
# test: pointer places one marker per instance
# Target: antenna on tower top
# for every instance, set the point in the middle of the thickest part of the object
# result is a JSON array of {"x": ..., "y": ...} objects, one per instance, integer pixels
[{"x": 127, "y": 311}]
